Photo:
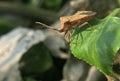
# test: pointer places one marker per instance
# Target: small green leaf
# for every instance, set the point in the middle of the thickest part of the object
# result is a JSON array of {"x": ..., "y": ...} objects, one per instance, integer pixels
[{"x": 98, "y": 42}]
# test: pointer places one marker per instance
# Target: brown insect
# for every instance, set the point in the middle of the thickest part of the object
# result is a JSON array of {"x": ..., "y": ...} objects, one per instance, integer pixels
[{"x": 68, "y": 23}]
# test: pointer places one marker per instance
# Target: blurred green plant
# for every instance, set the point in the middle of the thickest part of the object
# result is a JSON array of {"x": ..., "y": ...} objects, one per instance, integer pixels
[
  {"x": 98, "y": 42},
  {"x": 36, "y": 61},
  {"x": 118, "y": 2},
  {"x": 53, "y": 4},
  {"x": 5, "y": 27},
  {"x": 29, "y": 79}
]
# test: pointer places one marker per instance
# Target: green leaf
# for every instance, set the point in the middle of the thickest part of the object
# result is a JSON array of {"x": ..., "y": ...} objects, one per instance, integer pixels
[{"x": 98, "y": 42}]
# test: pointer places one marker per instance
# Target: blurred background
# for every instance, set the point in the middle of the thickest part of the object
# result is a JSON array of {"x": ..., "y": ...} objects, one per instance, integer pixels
[{"x": 45, "y": 61}]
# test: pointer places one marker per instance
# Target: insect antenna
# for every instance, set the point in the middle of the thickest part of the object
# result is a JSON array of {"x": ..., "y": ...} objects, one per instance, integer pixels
[{"x": 46, "y": 26}]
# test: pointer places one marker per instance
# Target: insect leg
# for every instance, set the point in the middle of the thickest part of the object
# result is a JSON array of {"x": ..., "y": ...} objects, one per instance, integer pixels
[
  {"x": 65, "y": 33},
  {"x": 69, "y": 35},
  {"x": 83, "y": 24}
]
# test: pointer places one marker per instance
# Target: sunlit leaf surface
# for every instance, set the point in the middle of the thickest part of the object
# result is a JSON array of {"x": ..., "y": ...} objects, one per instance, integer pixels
[{"x": 98, "y": 42}]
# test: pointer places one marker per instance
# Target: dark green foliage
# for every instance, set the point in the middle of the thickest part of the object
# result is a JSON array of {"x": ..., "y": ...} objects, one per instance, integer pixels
[
  {"x": 53, "y": 4},
  {"x": 36, "y": 61},
  {"x": 5, "y": 27}
]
